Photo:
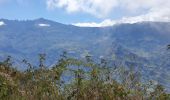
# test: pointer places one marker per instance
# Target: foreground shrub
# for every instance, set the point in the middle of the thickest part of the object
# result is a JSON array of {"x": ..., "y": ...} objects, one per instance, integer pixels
[{"x": 73, "y": 79}]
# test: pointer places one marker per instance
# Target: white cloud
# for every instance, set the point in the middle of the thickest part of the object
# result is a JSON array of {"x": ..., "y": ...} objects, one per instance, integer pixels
[
  {"x": 98, "y": 8},
  {"x": 2, "y": 23},
  {"x": 156, "y": 15},
  {"x": 157, "y": 10},
  {"x": 160, "y": 15},
  {"x": 44, "y": 25},
  {"x": 145, "y": 10},
  {"x": 104, "y": 23}
]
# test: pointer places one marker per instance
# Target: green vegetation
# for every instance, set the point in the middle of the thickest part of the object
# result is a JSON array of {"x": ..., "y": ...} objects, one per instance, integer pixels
[{"x": 73, "y": 79}]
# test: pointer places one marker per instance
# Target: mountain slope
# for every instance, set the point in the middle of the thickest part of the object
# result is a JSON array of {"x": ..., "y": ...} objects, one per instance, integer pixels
[{"x": 145, "y": 42}]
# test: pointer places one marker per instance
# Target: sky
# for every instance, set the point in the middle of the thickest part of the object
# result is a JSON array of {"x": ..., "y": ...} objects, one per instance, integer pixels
[{"x": 87, "y": 12}]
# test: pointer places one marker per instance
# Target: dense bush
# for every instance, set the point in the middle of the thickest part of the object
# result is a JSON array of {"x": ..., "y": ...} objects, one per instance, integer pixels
[{"x": 73, "y": 79}]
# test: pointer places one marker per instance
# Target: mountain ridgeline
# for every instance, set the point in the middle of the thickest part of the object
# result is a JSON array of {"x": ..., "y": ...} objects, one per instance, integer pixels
[{"x": 141, "y": 45}]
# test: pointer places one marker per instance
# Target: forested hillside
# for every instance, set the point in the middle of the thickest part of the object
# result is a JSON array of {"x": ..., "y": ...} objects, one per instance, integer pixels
[
  {"x": 76, "y": 79},
  {"x": 141, "y": 45}
]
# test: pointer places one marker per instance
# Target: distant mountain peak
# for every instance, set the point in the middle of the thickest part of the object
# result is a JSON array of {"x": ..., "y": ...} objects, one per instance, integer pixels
[
  {"x": 46, "y": 22},
  {"x": 41, "y": 19}
]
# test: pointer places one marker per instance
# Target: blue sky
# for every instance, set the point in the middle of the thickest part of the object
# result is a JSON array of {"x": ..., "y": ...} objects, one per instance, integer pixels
[
  {"x": 87, "y": 12},
  {"x": 32, "y": 9}
]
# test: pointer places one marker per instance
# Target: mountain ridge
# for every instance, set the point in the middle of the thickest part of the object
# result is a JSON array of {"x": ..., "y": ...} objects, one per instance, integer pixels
[
  {"x": 145, "y": 41},
  {"x": 48, "y": 20}
]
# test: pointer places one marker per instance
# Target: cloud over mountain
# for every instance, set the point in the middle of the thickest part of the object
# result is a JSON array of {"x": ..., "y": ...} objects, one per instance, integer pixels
[{"x": 138, "y": 10}]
